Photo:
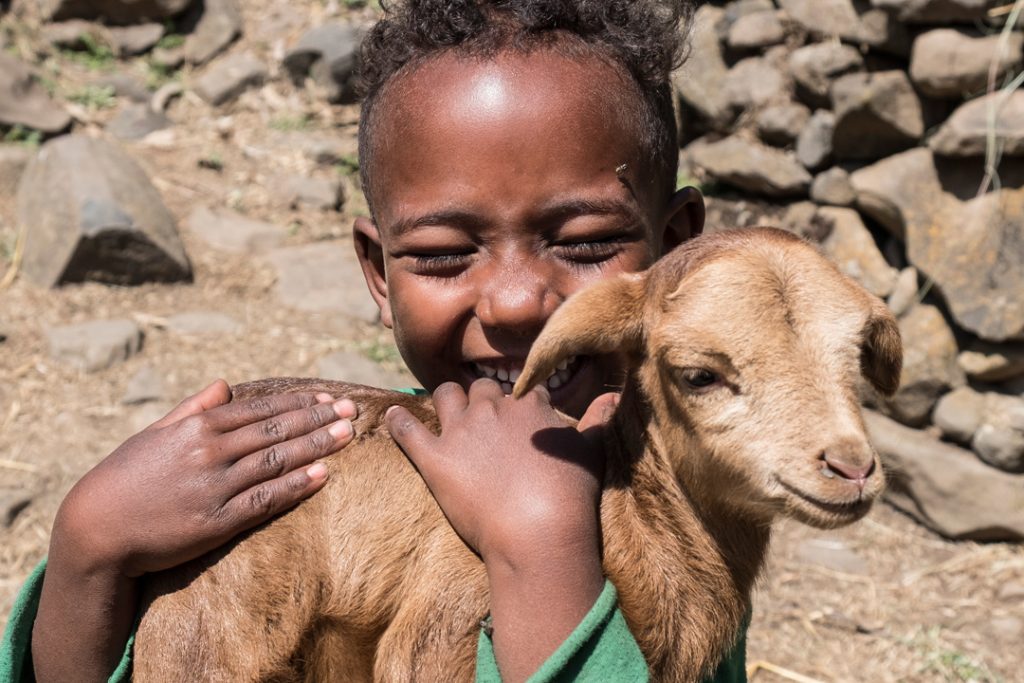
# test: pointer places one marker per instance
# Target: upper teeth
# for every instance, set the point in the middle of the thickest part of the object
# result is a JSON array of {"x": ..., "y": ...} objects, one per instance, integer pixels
[{"x": 508, "y": 376}]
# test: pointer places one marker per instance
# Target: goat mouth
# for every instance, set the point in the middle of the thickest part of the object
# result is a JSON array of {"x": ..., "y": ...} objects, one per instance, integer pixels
[
  {"x": 506, "y": 373},
  {"x": 847, "y": 510}
]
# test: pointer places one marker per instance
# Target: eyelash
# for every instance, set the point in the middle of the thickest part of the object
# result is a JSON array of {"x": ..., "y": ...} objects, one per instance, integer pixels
[{"x": 590, "y": 253}]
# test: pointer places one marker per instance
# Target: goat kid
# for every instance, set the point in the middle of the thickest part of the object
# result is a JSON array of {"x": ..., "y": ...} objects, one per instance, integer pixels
[{"x": 745, "y": 351}]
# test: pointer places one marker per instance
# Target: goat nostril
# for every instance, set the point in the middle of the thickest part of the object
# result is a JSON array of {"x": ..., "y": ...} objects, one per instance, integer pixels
[{"x": 846, "y": 470}]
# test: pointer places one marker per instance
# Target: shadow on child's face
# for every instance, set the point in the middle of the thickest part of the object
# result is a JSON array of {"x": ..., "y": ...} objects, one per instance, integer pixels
[{"x": 500, "y": 187}]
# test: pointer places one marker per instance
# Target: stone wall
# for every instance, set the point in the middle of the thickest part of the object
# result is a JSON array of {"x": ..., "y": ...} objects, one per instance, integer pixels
[{"x": 871, "y": 123}]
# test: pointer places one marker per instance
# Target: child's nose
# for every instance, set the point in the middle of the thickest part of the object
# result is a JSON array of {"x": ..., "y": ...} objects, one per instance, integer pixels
[{"x": 517, "y": 301}]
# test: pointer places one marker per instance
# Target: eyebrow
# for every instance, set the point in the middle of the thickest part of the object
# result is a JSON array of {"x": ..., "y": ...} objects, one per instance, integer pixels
[{"x": 556, "y": 212}]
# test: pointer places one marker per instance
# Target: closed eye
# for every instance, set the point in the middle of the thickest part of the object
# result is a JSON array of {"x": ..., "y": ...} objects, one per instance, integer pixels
[{"x": 589, "y": 252}]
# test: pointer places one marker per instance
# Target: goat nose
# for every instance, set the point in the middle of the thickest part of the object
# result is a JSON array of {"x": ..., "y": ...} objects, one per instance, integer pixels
[{"x": 852, "y": 468}]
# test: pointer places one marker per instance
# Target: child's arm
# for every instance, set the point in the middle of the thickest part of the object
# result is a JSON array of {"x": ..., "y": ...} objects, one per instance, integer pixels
[
  {"x": 522, "y": 489},
  {"x": 187, "y": 484}
]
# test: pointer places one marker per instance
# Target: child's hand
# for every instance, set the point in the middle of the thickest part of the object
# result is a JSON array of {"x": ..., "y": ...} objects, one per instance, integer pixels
[
  {"x": 522, "y": 489},
  {"x": 193, "y": 480}
]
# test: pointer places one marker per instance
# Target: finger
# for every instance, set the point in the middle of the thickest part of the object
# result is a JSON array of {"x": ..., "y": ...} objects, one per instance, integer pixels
[
  {"x": 238, "y": 414},
  {"x": 449, "y": 401},
  {"x": 259, "y": 503},
  {"x": 599, "y": 413},
  {"x": 215, "y": 394},
  {"x": 279, "y": 428},
  {"x": 279, "y": 459},
  {"x": 415, "y": 440},
  {"x": 485, "y": 390}
]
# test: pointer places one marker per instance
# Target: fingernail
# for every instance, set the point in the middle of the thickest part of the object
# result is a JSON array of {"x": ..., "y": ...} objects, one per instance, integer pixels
[
  {"x": 317, "y": 471},
  {"x": 324, "y": 398},
  {"x": 341, "y": 429},
  {"x": 390, "y": 410},
  {"x": 345, "y": 408}
]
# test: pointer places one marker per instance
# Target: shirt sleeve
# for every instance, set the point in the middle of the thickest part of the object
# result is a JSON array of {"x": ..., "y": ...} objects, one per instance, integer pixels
[
  {"x": 603, "y": 649},
  {"x": 16, "y": 647}
]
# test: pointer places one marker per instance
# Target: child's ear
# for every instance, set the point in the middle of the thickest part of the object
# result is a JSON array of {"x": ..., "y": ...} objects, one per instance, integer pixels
[
  {"x": 605, "y": 317},
  {"x": 685, "y": 219},
  {"x": 371, "y": 259}
]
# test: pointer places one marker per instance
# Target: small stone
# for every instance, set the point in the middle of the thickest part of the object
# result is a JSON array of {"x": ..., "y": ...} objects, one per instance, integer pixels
[
  {"x": 168, "y": 58},
  {"x": 905, "y": 293},
  {"x": 755, "y": 82},
  {"x": 136, "y": 121},
  {"x": 814, "y": 144},
  {"x": 128, "y": 41},
  {"x": 229, "y": 77},
  {"x": 987, "y": 362},
  {"x": 328, "y": 54},
  {"x": 1012, "y": 591},
  {"x": 124, "y": 85},
  {"x": 95, "y": 345},
  {"x": 323, "y": 277},
  {"x": 877, "y": 114},
  {"x": 75, "y": 34},
  {"x": 756, "y": 31},
  {"x": 313, "y": 193},
  {"x": 965, "y": 132},
  {"x": 825, "y": 17},
  {"x": 804, "y": 219},
  {"x": 852, "y": 248},
  {"x": 145, "y": 385},
  {"x": 354, "y": 367},
  {"x": 699, "y": 81},
  {"x": 950, "y": 63},
  {"x": 12, "y": 503},
  {"x": 230, "y": 231},
  {"x": 24, "y": 102},
  {"x": 198, "y": 323},
  {"x": 959, "y": 414},
  {"x": 13, "y": 160},
  {"x": 999, "y": 441},
  {"x": 833, "y": 187},
  {"x": 832, "y": 554},
  {"x": 780, "y": 125},
  {"x": 752, "y": 167},
  {"x": 815, "y": 66},
  {"x": 219, "y": 25},
  {"x": 1009, "y": 629}
]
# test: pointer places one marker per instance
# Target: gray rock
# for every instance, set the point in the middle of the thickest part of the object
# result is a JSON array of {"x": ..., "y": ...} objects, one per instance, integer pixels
[
  {"x": 949, "y": 63},
  {"x": 947, "y": 239},
  {"x": 986, "y": 362},
  {"x": 965, "y": 132},
  {"x": 999, "y": 440},
  {"x": 354, "y": 367},
  {"x": 323, "y": 277},
  {"x": 905, "y": 292},
  {"x": 814, "y": 144},
  {"x": 13, "y": 160},
  {"x": 755, "y": 31},
  {"x": 803, "y": 219},
  {"x": 815, "y": 66},
  {"x": 329, "y": 55},
  {"x": 779, "y": 125},
  {"x": 219, "y": 25},
  {"x": 322, "y": 149},
  {"x": 136, "y": 121},
  {"x": 128, "y": 41},
  {"x": 752, "y": 167},
  {"x": 24, "y": 102},
  {"x": 935, "y": 11},
  {"x": 959, "y": 414},
  {"x": 832, "y": 554},
  {"x": 699, "y": 81},
  {"x": 849, "y": 21},
  {"x": 125, "y": 84},
  {"x": 877, "y": 114},
  {"x": 833, "y": 187},
  {"x": 145, "y": 386},
  {"x": 230, "y": 231},
  {"x": 116, "y": 11},
  {"x": 755, "y": 82},
  {"x": 852, "y": 248},
  {"x": 929, "y": 365},
  {"x": 12, "y": 503},
  {"x": 74, "y": 34},
  {"x": 90, "y": 213},
  {"x": 199, "y": 323},
  {"x": 168, "y": 58},
  {"x": 229, "y": 77},
  {"x": 95, "y": 345},
  {"x": 314, "y": 193},
  {"x": 946, "y": 488}
]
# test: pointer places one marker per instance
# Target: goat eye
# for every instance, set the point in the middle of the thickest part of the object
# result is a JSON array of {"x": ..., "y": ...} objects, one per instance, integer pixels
[{"x": 698, "y": 378}]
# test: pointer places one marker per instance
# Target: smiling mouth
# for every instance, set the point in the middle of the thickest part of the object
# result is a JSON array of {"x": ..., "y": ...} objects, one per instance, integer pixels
[
  {"x": 852, "y": 508},
  {"x": 506, "y": 373}
]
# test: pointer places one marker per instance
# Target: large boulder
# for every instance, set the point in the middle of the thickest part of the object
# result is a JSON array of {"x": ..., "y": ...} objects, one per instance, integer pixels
[
  {"x": 116, "y": 11},
  {"x": 952, "y": 241},
  {"x": 965, "y": 132},
  {"x": 945, "y": 487},
  {"x": 752, "y": 167},
  {"x": 877, "y": 114},
  {"x": 24, "y": 101},
  {"x": 90, "y": 213},
  {"x": 948, "y": 63},
  {"x": 699, "y": 81},
  {"x": 329, "y": 55},
  {"x": 13, "y": 160}
]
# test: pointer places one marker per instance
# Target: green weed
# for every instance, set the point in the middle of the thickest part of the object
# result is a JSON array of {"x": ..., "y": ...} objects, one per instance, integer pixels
[
  {"x": 348, "y": 164},
  {"x": 95, "y": 96},
  {"x": 20, "y": 135},
  {"x": 948, "y": 664},
  {"x": 212, "y": 161},
  {"x": 291, "y": 123},
  {"x": 94, "y": 55}
]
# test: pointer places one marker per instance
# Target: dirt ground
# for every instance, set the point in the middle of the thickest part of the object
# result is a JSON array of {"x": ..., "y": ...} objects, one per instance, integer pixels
[{"x": 884, "y": 600}]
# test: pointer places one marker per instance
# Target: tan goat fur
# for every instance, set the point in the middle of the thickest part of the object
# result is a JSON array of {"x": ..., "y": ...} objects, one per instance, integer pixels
[{"x": 367, "y": 581}]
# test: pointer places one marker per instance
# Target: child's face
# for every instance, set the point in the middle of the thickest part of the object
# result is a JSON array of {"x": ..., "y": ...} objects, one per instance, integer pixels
[{"x": 498, "y": 191}]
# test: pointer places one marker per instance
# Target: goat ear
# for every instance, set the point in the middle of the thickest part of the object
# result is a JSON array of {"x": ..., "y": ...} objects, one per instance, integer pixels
[
  {"x": 881, "y": 355},
  {"x": 603, "y": 318}
]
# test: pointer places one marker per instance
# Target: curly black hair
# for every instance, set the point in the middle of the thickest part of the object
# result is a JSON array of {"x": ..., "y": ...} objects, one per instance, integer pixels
[{"x": 643, "y": 37}]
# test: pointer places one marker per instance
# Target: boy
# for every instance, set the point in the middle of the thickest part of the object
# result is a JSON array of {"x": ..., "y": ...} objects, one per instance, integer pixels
[{"x": 512, "y": 152}]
